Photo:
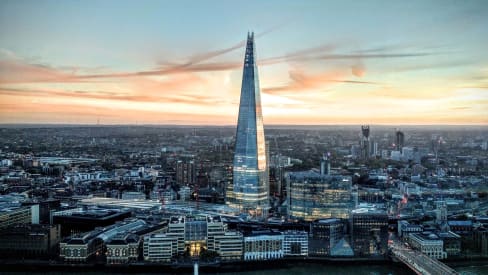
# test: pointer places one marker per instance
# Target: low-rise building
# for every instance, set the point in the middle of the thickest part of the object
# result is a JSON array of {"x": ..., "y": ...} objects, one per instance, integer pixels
[
  {"x": 16, "y": 215},
  {"x": 428, "y": 243},
  {"x": 405, "y": 228},
  {"x": 29, "y": 241},
  {"x": 82, "y": 247},
  {"x": 324, "y": 235},
  {"x": 160, "y": 247},
  {"x": 295, "y": 243},
  {"x": 263, "y": 245},
  {"x": 452, "y": 243},
  {"x": 123, "y": 248},
  {"x": 229, "y": 246}
]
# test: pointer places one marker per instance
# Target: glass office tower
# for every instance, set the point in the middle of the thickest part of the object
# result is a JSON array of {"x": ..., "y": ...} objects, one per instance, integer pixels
[{"x": 249, "y": 189}]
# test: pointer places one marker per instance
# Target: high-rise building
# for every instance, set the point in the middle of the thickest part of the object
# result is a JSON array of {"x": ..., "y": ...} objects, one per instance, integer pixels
[
  {"x": 185, "y": 172},
  {"x": 250, "y": 191},
  {"x": 365, "y": 142},
  {"x": 400, "y": 140}
]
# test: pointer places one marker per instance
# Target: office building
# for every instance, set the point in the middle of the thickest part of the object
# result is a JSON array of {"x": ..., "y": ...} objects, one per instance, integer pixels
[
  {"x": 17, "y": 215},
  {"x": 29, "y": 241},
  {"x": 160, "y": 247},
  {"x": 185, "y": 172},
  {"x": 428, "y": 243},
  {"x": 295, "y": 243},
  {"x": 263, "y": 245},
  {"x": 369, "y": 232},
  {"x": 249, "y": 191},
  {"x": 312, "y": 196},
  {"x": 229, "y": 246},
  {"x": 324, "y": 235}
]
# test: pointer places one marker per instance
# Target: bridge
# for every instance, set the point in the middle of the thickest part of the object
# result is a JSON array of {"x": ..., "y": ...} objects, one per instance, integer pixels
[{"x": 419, "y": 262}]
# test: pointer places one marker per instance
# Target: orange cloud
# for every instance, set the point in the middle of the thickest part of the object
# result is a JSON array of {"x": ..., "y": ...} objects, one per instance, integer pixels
[{"x": 18, "y": 71}]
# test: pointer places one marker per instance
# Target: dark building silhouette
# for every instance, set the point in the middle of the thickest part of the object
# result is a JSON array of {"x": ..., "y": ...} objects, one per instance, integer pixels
[
  {"x": 369, "y": 231},
  {"x": 400, "y": 140},
  {"x": 79, "y": 222},
  {"x": 324, "y": 235},
  {"x": 30, "y": 241},
  {"x": 365, "y": 142}
]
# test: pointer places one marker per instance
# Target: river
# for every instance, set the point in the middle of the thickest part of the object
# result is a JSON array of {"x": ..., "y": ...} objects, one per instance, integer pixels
[{"x": 346, "y": 269}]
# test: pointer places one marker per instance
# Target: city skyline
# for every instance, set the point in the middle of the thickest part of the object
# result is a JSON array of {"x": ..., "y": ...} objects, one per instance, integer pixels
[{"x": 321, "y": 62}]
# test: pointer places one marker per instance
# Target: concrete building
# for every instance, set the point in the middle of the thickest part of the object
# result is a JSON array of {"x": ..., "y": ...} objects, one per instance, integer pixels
[
  {"x": 405, "y": 228},
  {"x": 160, "y": 247},
  {"x": 19, "y": 215},
  {"x": 295, "y": 243},
  {"x": 82, "y": 247},
  {"x": 428, "y": 243},
  {"x": 123, "y": 248},
  {"x": 263, "y": 245},
  {"x": 185, "y": 172},
  {"x": 29, "y": 241},
  {"x": 229, "y": 246},
  {"x": 191, "y": 234}
]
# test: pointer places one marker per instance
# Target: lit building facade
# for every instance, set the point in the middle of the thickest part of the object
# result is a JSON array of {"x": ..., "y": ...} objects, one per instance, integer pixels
[
  {"x": 314, "y": 196},
  {"x": 160, "y": 247},
  {"x": 324, "y": 235},
  {"x": 191, "y": 235},
  {"x": 249, "y": 191},
  {"x": 263, "y": 245},
  {"x": 123, "y": 248},
  {"x": 295, "y": 243},
  {"x": 229, "y": 246}
]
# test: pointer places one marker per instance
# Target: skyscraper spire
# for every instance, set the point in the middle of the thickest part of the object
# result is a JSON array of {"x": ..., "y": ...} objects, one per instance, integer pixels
[{"x": 249, "y": 189}]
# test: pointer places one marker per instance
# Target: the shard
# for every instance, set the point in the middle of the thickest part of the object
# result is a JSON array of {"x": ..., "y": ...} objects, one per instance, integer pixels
[{"x": 249, "y": 189}]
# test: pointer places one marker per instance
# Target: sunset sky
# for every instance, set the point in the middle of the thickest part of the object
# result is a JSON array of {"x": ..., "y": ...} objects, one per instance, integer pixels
[{"x": 180, "y": 62}]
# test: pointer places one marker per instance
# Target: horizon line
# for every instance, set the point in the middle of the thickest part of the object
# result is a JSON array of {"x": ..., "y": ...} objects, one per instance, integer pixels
[{"x": 230, "y": 125}]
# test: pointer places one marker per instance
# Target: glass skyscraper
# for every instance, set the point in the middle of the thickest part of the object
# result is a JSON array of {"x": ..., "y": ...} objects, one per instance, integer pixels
[
  {"x": 314, "y": 196},
  {"x": 249, "y": 189}
]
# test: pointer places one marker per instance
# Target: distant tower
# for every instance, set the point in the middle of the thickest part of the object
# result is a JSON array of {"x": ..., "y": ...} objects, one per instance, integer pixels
[
  {"x": 325, "y": 164},
  {"x": 400, "y": 140},
  {"x": 250, "y": 188},
  {"x": 365, "y": 142}
]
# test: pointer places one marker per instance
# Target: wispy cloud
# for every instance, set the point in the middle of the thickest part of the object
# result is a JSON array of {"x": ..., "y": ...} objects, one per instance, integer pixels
[{"x": 300, "y": 81}]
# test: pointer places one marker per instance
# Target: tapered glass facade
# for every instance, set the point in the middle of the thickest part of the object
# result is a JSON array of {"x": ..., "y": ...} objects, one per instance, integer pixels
[{"x": 249, "y": 189}]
